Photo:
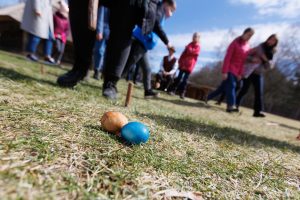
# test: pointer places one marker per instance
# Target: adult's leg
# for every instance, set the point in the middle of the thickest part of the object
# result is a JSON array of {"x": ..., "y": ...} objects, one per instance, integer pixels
[
  {"x": 176, "y": 83},
  {"x": 245, "y": 88},
  {"x": 83, "y": 41},
  {"x": 137, "y": 52},
  {"x": 48, "y": 46},
  {"x": 99, "y": 50},
  {"x": 32, "y": 44},
  {"x": 147, "y": 75},
  {"x": 220, "y": 90},
  {"x": 119, "y": 43},
  {"x": 230, "y": 90},
  {"x": 258, "y": 93},
  {"x": 183, "y": 84},
  {"x": 136, "y": 73}
]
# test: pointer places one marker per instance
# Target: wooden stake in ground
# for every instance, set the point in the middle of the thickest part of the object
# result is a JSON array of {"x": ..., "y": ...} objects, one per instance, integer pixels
[
  {"x": 298, "y": 137},
  {"x": 129, "y": 93},
  {"x": 42, "y": 69}
]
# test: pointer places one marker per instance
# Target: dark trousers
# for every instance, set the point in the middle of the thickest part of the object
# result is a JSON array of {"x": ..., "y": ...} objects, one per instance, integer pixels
[
  {"x": 223, "y": 95},
  {"x": 138, "y": 56},
  {"x": 83, "y": 37},
  {"x": 123, "y": 18},
  {"x": 229, "y": 87},
  {"x": 257, "y": 81},
  {"x": 180, "y": 82},
  {"x": 165, "y": 81}
]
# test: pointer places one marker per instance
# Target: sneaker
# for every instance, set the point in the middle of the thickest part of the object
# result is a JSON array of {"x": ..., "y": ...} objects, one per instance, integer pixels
[
  {"x": 172, "y": 93},
  {"x": 70, "y": 79},
  {"x": 232, "y": 110},
  {"x": 110, "y": 91},
  {"x": 96, "y": 75},
  {"x": 259, "y": 115},
  {"x": 32, "y": 57},
  {"x": 49, "y": 60},
  {"x": 150, "y": 94}
]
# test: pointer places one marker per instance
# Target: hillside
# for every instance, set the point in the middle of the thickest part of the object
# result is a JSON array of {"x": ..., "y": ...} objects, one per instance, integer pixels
[{"x": 52, "y": 145}]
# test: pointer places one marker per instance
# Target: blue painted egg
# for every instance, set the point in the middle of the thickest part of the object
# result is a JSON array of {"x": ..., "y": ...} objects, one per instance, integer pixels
[{"x": 135, "y": 133}]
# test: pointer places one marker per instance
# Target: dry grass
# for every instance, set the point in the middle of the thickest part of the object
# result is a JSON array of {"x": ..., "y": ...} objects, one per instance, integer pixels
[{"x": 52, "y": 146}]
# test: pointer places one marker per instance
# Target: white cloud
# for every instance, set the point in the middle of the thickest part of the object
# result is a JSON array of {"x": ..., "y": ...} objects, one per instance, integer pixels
[{"x": 281, "y": 8}]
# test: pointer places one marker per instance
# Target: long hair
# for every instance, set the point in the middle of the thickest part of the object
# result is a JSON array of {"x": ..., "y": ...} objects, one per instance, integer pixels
[{"x": 270, "y": 50}]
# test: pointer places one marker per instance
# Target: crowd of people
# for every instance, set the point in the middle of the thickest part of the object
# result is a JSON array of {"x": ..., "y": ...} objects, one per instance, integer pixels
[{"x": 126, "y": 31}]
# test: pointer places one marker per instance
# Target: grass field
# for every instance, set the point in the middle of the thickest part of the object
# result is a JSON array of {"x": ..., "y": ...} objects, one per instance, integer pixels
[{"x": 52, "y": 145}]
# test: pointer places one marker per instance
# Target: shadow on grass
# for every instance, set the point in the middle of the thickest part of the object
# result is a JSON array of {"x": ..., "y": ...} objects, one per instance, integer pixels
[
  {"x": 220, "y": 133},
  {"x": 16, "y": 76},
  {"x": 13, "y": 75},
  {"x": 112, "y": 136}
]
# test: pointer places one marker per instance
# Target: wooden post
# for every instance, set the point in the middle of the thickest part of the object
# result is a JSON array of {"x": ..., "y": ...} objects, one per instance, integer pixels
[
  {"x": 42, "y": 69},
  {"x": 129, "y": 93}
]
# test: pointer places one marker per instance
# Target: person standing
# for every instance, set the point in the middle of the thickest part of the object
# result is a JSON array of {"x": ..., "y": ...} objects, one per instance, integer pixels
[
  {"x": 37, "y": 21},
  {"x": 61, "y": 29},
  {"x": 124, "y": 15},
  {"x": 232, "y": 69},
  {"x": 102, "y": 36},
  {"x": 143, "y": 43},
  {"x": 187, "y": 63},
  {"x": 257, "y": 62},
  {"x": 168, "y": 68}
]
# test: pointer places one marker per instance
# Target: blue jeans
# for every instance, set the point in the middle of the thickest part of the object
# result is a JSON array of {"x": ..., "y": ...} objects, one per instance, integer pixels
[
  {"x": 229, "y": 87},
  {"x": 99, "y": 53},
  {"x": 34, "y": 41}
]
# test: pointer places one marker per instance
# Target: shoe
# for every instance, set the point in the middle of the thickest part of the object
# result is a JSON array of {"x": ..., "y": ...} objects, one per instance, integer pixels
[
  {"x": 32, "y": 57},
  {"x": 150, "y": 94},
  {"x": 232, "y": 110},
  {"x": 96, "y": 75},
  {"x": 172, "y": 93},
  {"x": 110, "y": 90},
  {"x": 49, "y": 60},
  {"x": 259, "y": 115},
  {"x": 70, "y": 79}
]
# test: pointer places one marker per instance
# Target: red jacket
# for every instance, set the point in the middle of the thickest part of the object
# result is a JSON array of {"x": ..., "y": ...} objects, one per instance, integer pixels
[
  {"x": 235, "y": 57},
  {"x": 188, "y": 58},
  {"x": 61, "y": 27}
]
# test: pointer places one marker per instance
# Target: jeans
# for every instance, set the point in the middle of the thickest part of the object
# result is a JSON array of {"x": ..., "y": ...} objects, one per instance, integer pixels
[
  {"x": 34, "y": 41},
  {"x": 180, "y": 82},
  {"x": 165, "y": 81},
  {"x": 258, "y": 83},
  {"x": 229, "y": 87},
  {"x": 60, "y": 47},
  {"x": 139, "y": 56},
  {"x": 99, "y": 53}
]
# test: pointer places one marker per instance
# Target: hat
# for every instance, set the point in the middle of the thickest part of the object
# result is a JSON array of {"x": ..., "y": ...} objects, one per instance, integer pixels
[{"x": 63, "y": 8}]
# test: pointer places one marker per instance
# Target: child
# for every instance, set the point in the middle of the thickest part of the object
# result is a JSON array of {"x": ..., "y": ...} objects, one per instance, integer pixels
[
  {"x": 187, "y": 63},
  {"x": 167, "y": 71},
  {"x": 61, "y": 29},
  {"x": 142, "y": 43},
  {"x": 101, "y": 39},
  {"x": 233, "y": 67}
]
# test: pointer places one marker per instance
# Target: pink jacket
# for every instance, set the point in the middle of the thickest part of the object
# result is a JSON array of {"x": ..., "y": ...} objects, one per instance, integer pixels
[
  {"x": 189, "y": 57},
  {"x": 235, "y": 57},
  {"x": 61, "y": 27}
]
